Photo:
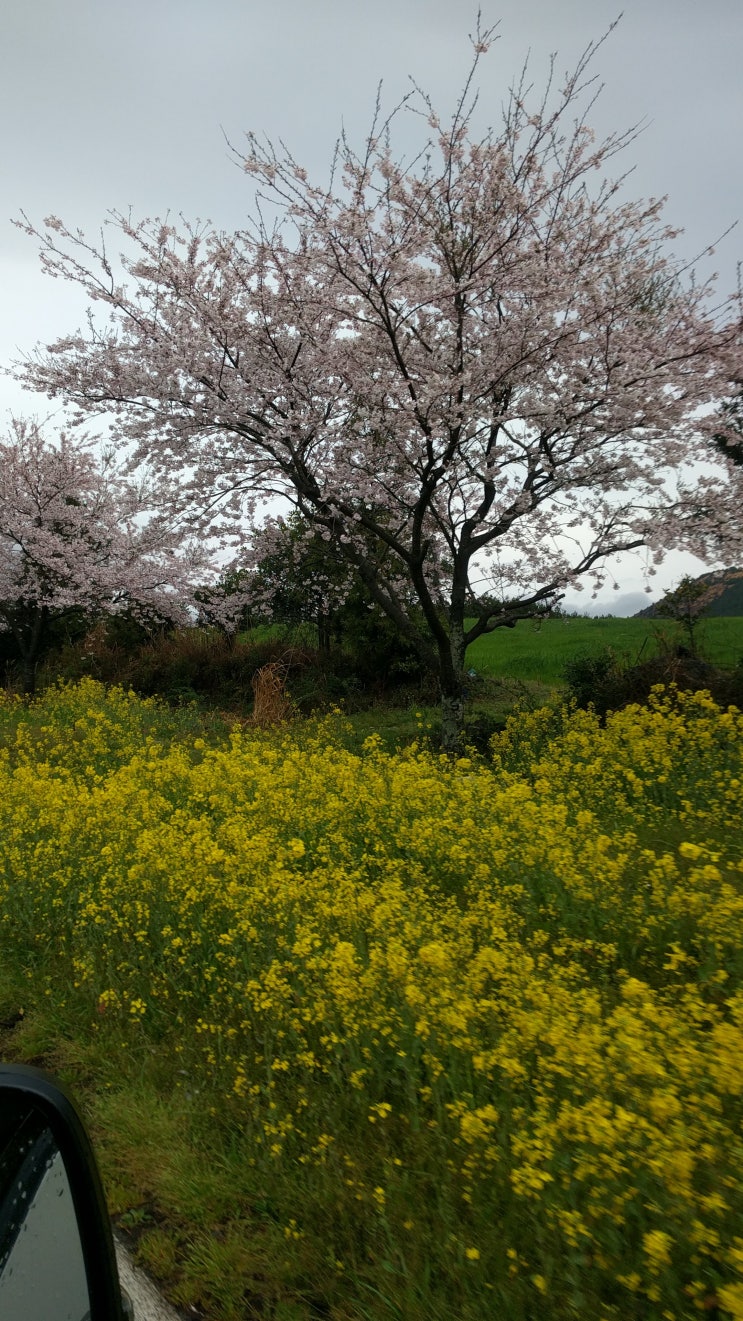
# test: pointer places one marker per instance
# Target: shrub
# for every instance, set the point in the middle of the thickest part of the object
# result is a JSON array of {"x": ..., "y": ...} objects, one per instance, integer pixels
[{"x": 608, "y": 683}]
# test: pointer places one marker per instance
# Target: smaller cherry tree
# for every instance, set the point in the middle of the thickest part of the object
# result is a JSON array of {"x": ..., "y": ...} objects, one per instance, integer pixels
[
  {"x": 687, "y": 603},
  {"x": 77, "y": 539}
]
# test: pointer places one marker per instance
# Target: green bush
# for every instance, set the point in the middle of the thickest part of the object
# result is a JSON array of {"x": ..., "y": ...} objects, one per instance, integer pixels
[
  {"x": 607, "y": 683},
  {"x": 200, "y": 664}
]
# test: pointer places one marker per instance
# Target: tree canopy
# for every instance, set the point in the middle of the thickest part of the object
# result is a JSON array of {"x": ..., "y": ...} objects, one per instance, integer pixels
[
  {"x": 729, "y": 438},
  {"x": 477, "y": 373},
  {"x": 75, "y": 539}
]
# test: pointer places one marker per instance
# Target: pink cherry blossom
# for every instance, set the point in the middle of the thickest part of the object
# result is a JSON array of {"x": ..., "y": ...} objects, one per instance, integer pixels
[
  {"x": 77, "y": 535},
  {"x": 480, "y": 375}
]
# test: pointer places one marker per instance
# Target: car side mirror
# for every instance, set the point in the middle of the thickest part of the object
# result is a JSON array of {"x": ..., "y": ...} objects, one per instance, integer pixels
[{"x": 57, "y": 1257}]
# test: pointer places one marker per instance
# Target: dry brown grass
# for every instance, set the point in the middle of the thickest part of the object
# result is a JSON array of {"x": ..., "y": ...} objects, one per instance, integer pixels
[{"x": 272, "y": 703}]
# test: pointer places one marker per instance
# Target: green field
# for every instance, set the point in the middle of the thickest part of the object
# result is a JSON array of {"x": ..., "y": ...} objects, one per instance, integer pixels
[{"x": 540, "y": 650}]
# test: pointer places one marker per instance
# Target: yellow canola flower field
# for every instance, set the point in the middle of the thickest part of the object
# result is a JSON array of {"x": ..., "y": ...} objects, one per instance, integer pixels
[{"x": 481, "y": 1021}]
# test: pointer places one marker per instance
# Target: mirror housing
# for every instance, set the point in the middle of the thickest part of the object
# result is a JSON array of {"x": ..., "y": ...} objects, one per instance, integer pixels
[{"x": 52, "y": 1207}]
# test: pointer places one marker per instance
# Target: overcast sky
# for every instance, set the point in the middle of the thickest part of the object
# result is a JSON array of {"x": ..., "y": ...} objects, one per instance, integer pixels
[{"x": 128, "y": 104}]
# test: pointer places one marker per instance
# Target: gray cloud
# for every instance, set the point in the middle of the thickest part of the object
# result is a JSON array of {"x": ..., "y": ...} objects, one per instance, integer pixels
[{"x": 106, "y": 105}]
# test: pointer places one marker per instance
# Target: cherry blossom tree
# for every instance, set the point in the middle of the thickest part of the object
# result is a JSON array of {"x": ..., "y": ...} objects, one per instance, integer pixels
[
  {"x": 75, "y": 538},
  {"x": 476, "y": 373},
  {"x": 729, "y": 438}
]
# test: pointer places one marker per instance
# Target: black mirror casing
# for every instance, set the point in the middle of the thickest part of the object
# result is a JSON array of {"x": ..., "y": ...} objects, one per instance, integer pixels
[{"x": 32, "y": 1098}]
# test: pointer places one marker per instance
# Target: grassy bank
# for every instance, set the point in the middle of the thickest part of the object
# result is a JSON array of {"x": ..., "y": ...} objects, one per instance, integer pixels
[
  {"x": 540, "y": 651},
  {"x": 511, "y": 665},
  {"x": 373, "y": 1036}
]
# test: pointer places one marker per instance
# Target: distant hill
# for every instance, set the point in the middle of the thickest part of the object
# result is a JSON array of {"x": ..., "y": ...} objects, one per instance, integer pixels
[{"x": 727, "y": 601}]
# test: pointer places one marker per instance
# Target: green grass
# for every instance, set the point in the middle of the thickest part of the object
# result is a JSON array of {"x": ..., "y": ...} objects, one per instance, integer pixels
[
  {"x": 540, "y": 650},
  {"x": 413, "y": 721},
  {"x": 524, "y": 666}
]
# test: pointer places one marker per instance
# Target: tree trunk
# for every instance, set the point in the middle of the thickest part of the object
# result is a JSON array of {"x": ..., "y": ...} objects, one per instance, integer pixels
[
  {"x": 28, "y": 624},
  {"x": 452, "y": 722},
  {"x": 452, "y": 690},
  {"x": 323, "y": 633},
  {"x": 27, "y": 669}
]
